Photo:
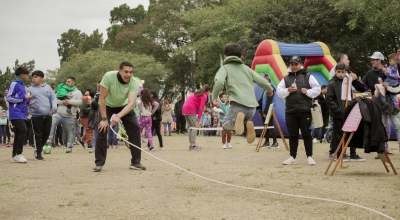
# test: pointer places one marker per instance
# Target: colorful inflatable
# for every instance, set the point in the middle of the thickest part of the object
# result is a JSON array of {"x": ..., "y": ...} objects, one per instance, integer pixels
[{"x": 268, "y": 59}]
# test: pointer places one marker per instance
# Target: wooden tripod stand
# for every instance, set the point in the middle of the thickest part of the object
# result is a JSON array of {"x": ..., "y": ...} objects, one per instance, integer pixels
[
  {"x": 350, "y": 126},
  {"x": 270, "y": 114}
]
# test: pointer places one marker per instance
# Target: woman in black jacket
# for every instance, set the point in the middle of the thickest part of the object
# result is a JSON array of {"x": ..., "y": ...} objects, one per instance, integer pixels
[{"x": 156, "y": 122}]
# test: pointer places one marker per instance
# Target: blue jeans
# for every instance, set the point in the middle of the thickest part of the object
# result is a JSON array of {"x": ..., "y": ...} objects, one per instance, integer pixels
[
  {"x": 394, "y": 119},
  {"x": 234, "y": 109},
  {"x": 165, "y": 127},
  {"x": 68, "y": 125},
  {"x": 112, "y": 138}
]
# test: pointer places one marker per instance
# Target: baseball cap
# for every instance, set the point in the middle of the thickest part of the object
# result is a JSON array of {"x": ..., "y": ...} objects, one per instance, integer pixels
[
  {"x": 377, "y": 55},
  {"x": 295, "y": 59}
]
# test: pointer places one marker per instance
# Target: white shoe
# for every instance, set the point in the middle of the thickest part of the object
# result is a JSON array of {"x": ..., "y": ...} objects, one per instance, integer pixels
[
  {"x": 310, "y": 161},
  {"x": 289, "y": 161},
  {"x": 314, "y": 140},
  {"x": 229, "y": 145},
  {"x": 224, "y": 146},
  {"x": 18, "y": 159}
]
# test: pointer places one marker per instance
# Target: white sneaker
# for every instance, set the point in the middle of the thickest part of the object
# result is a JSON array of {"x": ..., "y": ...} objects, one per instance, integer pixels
[
  {"x": 310, "y": 161},
  {"x": 289, "y": 161},
  {"x": 18, "y": 159},
  {"x": 314, "y": 140},
  {"x": 229, "y": 145},
  {"x": 224, "y": 146}
]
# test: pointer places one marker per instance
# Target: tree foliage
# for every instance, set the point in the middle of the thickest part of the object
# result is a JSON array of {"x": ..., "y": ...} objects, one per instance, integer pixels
[
  {"x": 74, "y": 42},
  {"x": 9, "y": 75},
  {"x": 123, "y": 17},
  {"x": 90, "y": 67}
]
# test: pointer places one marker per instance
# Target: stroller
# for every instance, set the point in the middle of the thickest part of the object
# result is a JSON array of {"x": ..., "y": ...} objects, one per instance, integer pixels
[{"x": 328, "y": 134}]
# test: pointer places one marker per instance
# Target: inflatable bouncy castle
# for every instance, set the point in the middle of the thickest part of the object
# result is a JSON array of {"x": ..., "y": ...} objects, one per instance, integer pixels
[{"x": 268, "y": 60}]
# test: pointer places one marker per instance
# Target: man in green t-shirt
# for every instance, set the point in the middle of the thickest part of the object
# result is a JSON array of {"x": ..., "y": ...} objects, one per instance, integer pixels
[{"x": 118, "y": 92}]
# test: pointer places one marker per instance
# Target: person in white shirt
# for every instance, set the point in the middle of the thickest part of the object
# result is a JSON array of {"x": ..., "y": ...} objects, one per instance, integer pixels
[{"x": 298, "y": 87}]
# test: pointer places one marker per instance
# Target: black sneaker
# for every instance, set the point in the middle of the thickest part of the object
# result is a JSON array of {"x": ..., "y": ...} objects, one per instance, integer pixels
[
  {"x": 89, "y": 146},
  {"x": 356, "y": 158},
  {"x": 265, "y": 145},
  {"x": 98, "y": 168},
  {"x": 137, "y": 166},
  {"x": 151, "y": 148},
  {"x": 39, "y": 157}
]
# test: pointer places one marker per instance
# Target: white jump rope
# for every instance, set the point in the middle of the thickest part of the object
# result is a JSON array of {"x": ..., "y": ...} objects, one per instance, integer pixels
[{"x": 250, "y": 188}]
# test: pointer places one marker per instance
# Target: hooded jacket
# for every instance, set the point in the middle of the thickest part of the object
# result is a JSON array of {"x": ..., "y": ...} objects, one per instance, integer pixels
[
  {"x": 45, "y": 100},
  {"x": 74, "y": 99},
  {"x": 18, "y": 106},
  {"x": 239, "y": 81}
]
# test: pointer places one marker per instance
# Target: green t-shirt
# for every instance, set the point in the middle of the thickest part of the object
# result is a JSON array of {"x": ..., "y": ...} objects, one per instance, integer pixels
[
  {"x": 118, "y": 92},
  {"x": 136, "y": 107}
]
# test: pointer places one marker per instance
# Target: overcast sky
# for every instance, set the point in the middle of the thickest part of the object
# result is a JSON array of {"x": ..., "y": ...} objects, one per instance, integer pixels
[{"x": 29, "y": 29}]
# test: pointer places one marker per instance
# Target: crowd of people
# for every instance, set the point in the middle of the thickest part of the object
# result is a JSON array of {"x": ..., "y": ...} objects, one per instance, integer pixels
[{"x": 56, "y": 112}]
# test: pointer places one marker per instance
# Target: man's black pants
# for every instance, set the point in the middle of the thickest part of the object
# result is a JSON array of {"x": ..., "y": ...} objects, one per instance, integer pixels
[
  {"x": 132, "y": 130},
  {"x": 20, "y": 133},
  {"x": 301, "y": 121},
  {"x": 41, "y": 130},
  {"x": 180, "y": 123}
]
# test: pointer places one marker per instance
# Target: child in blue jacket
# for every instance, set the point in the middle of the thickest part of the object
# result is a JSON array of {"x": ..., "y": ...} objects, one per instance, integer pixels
[{"x": 18, "y": 108}]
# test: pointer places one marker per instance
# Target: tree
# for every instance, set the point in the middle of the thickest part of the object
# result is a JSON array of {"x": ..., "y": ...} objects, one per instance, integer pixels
[
  {"x": 8, "y": 76},
  {"x": 123, "y": 17},
  {"x": 74, "y": 42},
  {"x": 378, "y": 20},
  {"x": 90, "y": 67},
  {"x": 215, "y": 25},
  {"x": 321, "y": 22}
]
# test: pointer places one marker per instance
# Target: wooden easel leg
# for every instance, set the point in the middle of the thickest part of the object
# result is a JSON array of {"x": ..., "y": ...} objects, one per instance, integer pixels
[
  {"x": 261, "y": 137},
  {"x": 336, "y": 151},
  {"x": 341, "y": 155},
  {"x": 385, "y": 159},
  {"x": 280, "y": 130}
]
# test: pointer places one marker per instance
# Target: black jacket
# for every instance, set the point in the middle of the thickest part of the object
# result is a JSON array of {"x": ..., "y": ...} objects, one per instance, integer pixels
[
  {"x": 371, "y": 133},
  {"x": 322, "y": 102},
  {"x": 334, "y": 101},
  {"x": 178, "y": 107},
  {"x": 297, "y": 102}
]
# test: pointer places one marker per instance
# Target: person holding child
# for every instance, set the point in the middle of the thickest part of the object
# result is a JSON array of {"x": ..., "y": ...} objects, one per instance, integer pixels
[
  {"x": 392, "y": 80},
  {"x": 369, "y": 82},
  {"x": 62, "y": 94}
]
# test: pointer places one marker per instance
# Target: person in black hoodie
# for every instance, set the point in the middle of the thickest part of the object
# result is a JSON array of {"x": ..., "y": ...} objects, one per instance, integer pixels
[
  {"x": 368, "y": 83},
  {"x": 325, "y": 114},
  {"x": 180, "y": 118},
  {"x": 336, "y": 101}
]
